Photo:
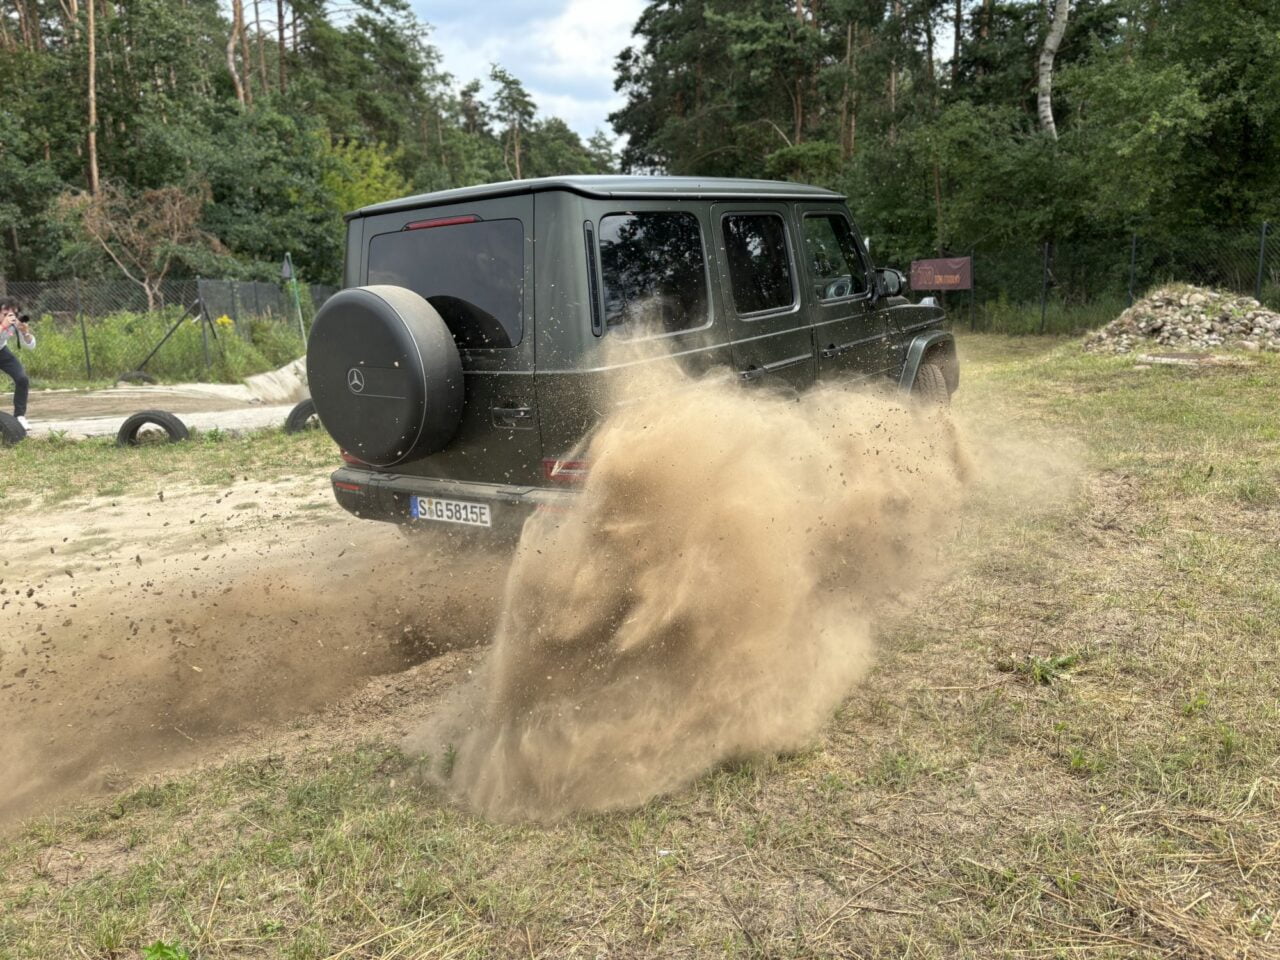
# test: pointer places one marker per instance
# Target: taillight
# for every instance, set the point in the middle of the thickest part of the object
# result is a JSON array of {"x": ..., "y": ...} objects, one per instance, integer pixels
[
  {"x": 440, "y": 222},
  {"x": 568, "y": 472},
  {"x": 353, "y": 461},
  {"x": 342, "y": 485}
]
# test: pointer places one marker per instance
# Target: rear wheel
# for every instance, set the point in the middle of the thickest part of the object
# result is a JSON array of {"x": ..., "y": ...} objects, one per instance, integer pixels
[{"x": 931, "y": 385}]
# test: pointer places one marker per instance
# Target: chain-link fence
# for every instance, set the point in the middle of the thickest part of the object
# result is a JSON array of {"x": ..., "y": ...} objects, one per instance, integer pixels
[
  {"x": 1071, "y": 286},
  {"x": 193, "y": 329}
]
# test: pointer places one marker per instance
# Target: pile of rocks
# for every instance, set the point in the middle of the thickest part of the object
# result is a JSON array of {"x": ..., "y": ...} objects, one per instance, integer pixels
[{"x": 1190, "y": 318}]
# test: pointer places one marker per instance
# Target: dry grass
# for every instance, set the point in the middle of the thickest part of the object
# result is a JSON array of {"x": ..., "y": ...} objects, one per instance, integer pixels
[{"x": 1072, "y": 750}]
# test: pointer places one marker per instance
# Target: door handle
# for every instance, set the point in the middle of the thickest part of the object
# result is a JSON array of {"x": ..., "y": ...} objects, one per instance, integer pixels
[
  {"x": 754, "y": 373},
  {"x": 513, "y": 418},
  {"x": 830, "y": 350}
]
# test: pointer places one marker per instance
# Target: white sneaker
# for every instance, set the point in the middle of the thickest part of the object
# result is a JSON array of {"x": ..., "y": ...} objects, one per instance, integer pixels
[{"x": 25, "y": 424}]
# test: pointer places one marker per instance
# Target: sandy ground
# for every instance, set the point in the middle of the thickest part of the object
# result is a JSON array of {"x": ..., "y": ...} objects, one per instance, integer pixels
[
  {"x": 154, "y": 632},
  {"x": 262, "y": 400},
  {"x": 122, "y": 401}
]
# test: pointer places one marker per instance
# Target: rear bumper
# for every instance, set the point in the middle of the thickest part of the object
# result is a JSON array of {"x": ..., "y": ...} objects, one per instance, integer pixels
[{"x": 386, "y": 497}]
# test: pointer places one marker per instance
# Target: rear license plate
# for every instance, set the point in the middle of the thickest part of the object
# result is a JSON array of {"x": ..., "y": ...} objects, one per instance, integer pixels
[{"x": 450, "y": 511}]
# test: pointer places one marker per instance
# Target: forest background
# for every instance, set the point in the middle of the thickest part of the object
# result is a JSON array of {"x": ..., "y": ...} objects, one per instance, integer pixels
[{"x": 197, "y": 137}]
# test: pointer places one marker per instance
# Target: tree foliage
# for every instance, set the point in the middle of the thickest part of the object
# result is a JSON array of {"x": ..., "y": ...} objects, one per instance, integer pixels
[
  {"x": 925, "y": 113},
  {"x": 334, "y": 110}
]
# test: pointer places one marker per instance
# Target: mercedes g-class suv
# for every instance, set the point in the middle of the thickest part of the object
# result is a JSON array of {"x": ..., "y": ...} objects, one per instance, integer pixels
[{"x": 467, "y": 355}]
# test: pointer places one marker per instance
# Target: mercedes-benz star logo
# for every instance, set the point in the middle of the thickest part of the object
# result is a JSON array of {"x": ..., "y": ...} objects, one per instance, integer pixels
[{"x": 355, "y": 380}]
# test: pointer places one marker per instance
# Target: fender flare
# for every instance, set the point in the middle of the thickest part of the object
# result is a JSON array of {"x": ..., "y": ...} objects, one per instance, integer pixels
[{"x": 916, "y": 351}]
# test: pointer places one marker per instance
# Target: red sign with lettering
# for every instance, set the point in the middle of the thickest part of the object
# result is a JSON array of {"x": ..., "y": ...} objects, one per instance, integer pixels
[{"x": 953, "y": 274}]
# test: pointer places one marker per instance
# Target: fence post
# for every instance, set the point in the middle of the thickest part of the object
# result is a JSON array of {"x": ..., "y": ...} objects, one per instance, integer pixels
[
  {"x": 973, "y": 283},
  {"x": 1133, "y": 264},
  {"x": 1044, "y": 287},
  {"x": 84, "y": 334},
  {"x": 235, "y": 305},
  {"x": 204, "y": 329},
  {"x": 1262, "y": 261}
]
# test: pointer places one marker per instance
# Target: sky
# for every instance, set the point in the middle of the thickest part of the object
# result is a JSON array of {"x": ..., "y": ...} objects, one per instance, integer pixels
[{"x": 561, "y": 50}]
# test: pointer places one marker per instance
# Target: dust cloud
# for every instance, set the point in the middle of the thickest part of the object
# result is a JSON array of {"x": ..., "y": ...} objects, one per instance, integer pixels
[{"x": 711, "y": 595}]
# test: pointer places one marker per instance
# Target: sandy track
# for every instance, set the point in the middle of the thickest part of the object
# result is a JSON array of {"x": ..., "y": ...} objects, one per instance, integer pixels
[{"x": 147, "y": 632}]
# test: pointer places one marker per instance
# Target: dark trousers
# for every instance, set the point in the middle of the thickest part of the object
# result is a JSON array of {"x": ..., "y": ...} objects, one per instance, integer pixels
[{"x": 11, "y": 365}]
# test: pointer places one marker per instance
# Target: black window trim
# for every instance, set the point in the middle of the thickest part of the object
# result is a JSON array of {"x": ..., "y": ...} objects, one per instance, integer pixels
[
  {"x": 594, "y": 286},
  {"x": 706, "y": 271},
  {"x": 525, "y": 312},
  {"x": 796, "y": 299},
  {"x": 867, "y": 273}
]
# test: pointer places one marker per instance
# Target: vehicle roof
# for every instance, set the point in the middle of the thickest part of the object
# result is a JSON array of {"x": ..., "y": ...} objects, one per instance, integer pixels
[{"x": 698, "y": 188}]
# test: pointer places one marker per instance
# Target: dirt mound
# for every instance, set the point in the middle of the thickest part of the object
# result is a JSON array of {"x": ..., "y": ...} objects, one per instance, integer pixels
[{"x": 1190, "y": 318}]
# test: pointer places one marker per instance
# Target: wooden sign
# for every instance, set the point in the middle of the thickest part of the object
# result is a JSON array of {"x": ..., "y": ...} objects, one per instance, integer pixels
[{"x": 952, "y": 274}]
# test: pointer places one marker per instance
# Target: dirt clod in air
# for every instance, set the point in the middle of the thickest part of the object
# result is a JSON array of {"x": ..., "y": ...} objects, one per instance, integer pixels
[{"x": 710, "y": 596}]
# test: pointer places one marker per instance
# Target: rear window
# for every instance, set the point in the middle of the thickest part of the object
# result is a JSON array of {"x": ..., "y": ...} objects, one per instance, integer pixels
[
  {"x": 654, "y": 272},
  {"x": 472, "y": 273},
  {"x": 759, "y": 265}
]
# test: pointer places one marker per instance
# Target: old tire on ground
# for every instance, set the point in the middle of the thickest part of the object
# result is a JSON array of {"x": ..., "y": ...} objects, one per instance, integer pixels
[
  {"x": 931, "y": 385},
  {"x": 385, "y": 374},
  {"x": 11, "y": 431},
  {"x": 134, "y": 433},
  {"x": 302, "y": 417},
  {"x": 136, "y": 376}
]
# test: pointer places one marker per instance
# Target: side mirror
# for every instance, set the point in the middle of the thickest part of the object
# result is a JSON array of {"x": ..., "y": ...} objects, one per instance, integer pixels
[{"x": 891, "y": 282}]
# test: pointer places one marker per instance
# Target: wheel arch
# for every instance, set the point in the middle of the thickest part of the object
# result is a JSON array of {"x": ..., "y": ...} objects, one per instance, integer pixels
[{"x": 936, "y": 346}]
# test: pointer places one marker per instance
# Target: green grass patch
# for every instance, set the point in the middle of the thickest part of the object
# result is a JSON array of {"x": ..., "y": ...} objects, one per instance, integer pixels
[
  {"x": 51, "y": 470},
  {"x": 119, "y": 342}
]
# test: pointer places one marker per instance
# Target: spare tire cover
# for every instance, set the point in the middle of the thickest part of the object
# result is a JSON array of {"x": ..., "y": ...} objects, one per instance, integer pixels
[{"x": 385, "y": 374}]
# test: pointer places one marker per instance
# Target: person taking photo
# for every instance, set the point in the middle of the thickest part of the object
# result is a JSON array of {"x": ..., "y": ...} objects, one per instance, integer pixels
[{"x": 14, "y": 326}]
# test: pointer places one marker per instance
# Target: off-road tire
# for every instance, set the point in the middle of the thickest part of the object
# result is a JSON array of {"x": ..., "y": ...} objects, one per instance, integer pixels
[
  {"x": 931, "y": 385},
  {"x": 171, "y": 425},
  {"x": 11, "y": 431},
  {"x": 302, "y": 417}
]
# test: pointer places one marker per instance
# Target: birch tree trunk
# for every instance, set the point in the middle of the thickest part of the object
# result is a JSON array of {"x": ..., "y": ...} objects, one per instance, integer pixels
[
  {"x": 246, "y": 60},
  {"x": 1047, "y": 54},
  {"x": 93, "y": 100},
  {"x": 231, "y": 52}
]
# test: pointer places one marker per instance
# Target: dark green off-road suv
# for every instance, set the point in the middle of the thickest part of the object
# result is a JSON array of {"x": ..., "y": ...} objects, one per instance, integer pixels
[{"x": 467, "y": 354}]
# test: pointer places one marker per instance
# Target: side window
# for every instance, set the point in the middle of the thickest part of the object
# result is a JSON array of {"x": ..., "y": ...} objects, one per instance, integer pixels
[
  {"x": 759, "y": 267},
  {"x": 833, "y": 257},
  {"x": 653, "y": 272}
]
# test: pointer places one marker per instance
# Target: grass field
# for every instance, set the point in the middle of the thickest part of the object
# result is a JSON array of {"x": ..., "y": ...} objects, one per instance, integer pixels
[
  {"x": 44, "y": 471},
  {"x": 1070, "y": 750}
]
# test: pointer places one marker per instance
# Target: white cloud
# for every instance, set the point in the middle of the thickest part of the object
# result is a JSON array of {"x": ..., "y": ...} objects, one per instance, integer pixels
[
  {"x": 581, "y": 42},
  {"x": 564, "y": 56}
]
